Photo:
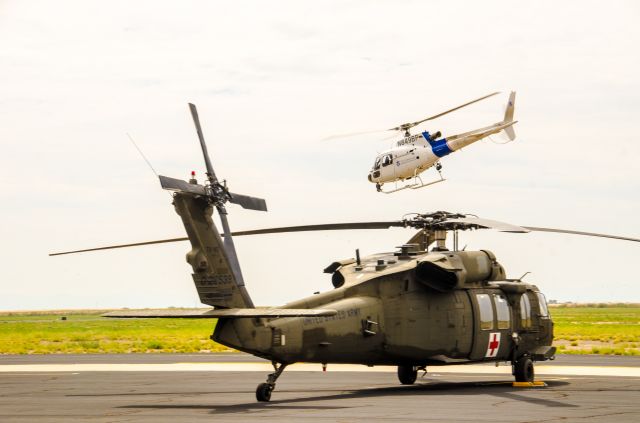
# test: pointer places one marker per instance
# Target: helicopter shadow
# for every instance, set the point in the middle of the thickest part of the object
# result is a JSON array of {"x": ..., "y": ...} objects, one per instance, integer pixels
[{"x": 502, "y": 390}]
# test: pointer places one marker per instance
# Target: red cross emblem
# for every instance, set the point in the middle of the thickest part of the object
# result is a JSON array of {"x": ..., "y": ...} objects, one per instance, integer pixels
[{"x": 494, "y": 344}]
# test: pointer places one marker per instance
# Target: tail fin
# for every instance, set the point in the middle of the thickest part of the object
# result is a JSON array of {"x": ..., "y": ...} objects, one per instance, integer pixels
[
  {"x": 508, "y": 116},
  {"x": 216, "y": 282}
]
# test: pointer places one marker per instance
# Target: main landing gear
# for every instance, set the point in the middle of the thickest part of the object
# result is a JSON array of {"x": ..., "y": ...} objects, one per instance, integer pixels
[
  {"x": 523, "y": 369},
  {"x": 408, "y": 374},
  {"x": 263, "y": 391}
]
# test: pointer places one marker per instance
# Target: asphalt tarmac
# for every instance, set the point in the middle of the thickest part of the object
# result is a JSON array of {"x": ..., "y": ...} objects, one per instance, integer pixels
[{"x": 145, "y": 388}]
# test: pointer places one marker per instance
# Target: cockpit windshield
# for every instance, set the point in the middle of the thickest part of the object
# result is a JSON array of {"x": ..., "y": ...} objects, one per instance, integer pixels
[
  {"x": 376, "y": 165},
  {"x": 387, "y": 160}
]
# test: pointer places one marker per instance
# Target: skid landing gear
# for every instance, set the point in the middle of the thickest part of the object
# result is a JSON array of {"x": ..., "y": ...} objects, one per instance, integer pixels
[
  {"x": 263, "y": 391},
  {"x": 416, "y": 182}
]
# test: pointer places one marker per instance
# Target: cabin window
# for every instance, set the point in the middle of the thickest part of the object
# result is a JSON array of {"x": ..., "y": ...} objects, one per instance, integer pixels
[
  {"x": 502, "y": 312},
  {"x": 486, "y": 311},
  {"x": 386, "y": 161},
  {"x": 376, "y": 165},
  {"x": 525, "y": 311},
  {"x": 542, "y": 301}
]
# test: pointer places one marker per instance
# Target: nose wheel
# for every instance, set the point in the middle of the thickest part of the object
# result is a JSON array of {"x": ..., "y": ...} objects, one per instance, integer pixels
[{"x": 264, "y": 390}]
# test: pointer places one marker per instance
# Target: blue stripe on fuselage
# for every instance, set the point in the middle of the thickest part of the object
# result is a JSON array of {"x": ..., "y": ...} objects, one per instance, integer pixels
[{"x": 439, "y": 147}]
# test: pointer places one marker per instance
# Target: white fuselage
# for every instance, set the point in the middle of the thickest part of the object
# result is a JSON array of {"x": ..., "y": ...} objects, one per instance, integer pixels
[{"x": 412, "y": 156}]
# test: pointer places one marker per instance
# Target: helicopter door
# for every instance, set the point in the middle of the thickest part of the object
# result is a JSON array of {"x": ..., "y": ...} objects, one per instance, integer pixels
[
  {"x": 388, "y": 170},
  {"x": 544, "y": 319},
  {"x": 492, "y": 325},
  {"x": 535, "y": 315}
]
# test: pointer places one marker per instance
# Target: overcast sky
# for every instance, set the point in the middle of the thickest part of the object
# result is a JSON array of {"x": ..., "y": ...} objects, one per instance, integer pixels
[{"x": 270, "y": 80}]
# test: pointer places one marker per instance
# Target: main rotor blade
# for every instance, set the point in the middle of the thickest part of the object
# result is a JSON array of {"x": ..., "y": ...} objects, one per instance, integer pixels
[
  {"x": 409, "y": 125},
  {"x": 111, "y": 247},
  {"x": 283, "y": 229},
  {"x": 568, "y": 231},
  {"x": 489, "y": 224},
  {"x": 507, "y": 227},
  {"x": 205, "y": 153},
  {"x": 354, "y": 134},
  {"x": 322, "y": 227},
  {"x": 486, "y": 223}
]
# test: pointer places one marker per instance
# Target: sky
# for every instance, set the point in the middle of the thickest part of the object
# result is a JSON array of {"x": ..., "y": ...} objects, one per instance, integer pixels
[{"x": 271, "y": 80}]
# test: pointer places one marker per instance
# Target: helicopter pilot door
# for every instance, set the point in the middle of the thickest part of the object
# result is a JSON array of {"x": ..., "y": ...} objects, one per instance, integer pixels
[
  {"x": 388, "y": 168},
  {"x": 492, "y": 325}
]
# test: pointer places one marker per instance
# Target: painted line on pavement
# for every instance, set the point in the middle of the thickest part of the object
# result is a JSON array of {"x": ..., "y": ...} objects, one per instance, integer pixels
[{"x": 309, "y": 367}]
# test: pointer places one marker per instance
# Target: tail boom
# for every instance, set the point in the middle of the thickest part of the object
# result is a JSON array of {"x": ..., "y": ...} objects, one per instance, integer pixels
[
  {"x": 444, "y": 146},
  {"x": 213, "y": 274}
]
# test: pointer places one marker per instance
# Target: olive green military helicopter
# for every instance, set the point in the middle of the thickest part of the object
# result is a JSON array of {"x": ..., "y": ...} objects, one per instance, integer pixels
[{"x": 422, "y": 305}]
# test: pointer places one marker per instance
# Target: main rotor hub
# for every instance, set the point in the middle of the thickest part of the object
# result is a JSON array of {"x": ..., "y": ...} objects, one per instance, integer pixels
[
  {"x": 440, "y": 221},
  {"x": 218, "y": 192}
]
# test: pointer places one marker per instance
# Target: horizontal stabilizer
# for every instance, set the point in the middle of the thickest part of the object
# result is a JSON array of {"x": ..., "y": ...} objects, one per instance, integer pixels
[{"x": 202, "y": 313}]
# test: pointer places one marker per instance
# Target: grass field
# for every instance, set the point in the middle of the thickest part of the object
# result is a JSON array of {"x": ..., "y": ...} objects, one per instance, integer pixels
[
  {"x": 597, "y": 330},
  {"x": 578, "y": 330},
  {"x": 90, "y": 333}
]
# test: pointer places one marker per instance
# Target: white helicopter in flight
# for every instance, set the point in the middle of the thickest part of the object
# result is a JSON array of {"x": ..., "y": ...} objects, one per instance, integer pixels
[{"x": 414, "y": 154}]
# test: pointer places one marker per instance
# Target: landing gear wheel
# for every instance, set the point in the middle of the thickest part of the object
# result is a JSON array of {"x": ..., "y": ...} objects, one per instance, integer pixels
[
  {"x": 407, "y": 374},
  {"x": 524, "y": 370},
  {"x": 263, "y": 392}
]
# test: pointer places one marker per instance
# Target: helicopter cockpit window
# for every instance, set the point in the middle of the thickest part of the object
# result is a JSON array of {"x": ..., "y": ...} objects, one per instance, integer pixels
[
  {"x": 542, "y": 301},
  {"x": 386, "y": 160},
  {"x": 486, "y": 311},
  {"x": 376, "y": 165},
  {"x": 502, "y": 312},
  {"x": 525, "y": 311}
]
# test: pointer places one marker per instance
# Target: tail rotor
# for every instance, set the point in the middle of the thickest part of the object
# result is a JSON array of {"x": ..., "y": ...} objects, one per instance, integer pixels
[{"x": 217, "y": 194}]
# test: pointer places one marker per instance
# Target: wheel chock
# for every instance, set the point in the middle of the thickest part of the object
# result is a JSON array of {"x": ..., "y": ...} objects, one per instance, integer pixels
[{"x": 536, "y": 384}]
